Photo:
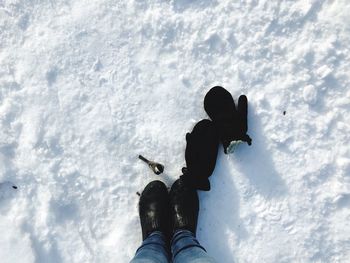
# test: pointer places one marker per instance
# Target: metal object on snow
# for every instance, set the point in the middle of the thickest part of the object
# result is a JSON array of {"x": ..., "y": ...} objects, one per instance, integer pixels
[{"x": 157, "y": 168}]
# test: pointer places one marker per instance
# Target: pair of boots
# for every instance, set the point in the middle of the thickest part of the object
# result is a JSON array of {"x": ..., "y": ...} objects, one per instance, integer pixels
[
  {"x": 178, "y": 209},
  {"x": 168, "y": 212}
]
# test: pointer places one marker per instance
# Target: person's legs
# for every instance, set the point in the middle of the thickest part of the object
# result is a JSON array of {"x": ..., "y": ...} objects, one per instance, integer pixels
[
  {"x": 154, "y": 249},
  {"x": 185, "y": 248}
]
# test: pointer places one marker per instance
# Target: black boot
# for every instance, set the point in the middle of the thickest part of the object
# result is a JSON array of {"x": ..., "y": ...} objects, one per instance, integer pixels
[
  {"x": 184, "y": 206},
  {"x": 154, "y": 209},
  {"x": 201, "y": 152},
  {"x": 230, "y": 122}
]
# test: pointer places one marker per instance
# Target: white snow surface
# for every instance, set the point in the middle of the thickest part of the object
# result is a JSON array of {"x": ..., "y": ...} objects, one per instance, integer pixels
[{"x": 87, "y": 85}]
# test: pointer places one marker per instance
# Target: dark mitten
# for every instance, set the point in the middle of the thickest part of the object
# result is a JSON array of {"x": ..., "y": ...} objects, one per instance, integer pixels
[
  {"x": 201, "y": 152},
  {"x": 230, "y": 122}
]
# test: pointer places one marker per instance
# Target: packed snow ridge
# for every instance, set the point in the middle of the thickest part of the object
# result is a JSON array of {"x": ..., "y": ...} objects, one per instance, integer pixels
[{"x": 87, "y": 86}]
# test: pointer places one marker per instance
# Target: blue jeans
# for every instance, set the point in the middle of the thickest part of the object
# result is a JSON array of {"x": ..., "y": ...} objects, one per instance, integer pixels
[{"x": 184, "y": 249}]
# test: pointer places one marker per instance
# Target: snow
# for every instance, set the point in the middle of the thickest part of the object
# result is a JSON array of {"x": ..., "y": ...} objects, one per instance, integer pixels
[
  {"x": 310, "y": 94},
  {"x": 86, "y": 86}
]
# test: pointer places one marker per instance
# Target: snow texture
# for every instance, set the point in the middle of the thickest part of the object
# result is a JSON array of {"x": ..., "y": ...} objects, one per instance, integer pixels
[{"x": 86, "y": 86}]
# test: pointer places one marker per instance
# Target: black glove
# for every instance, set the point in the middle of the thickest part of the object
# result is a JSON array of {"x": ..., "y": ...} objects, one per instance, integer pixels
[
  {"x": 230, "y": 122},
  {"x": 201, "y": 152}
]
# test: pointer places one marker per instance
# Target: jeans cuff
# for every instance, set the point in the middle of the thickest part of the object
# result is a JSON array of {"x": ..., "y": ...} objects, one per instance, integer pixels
[
  {"x": 156, "y": 238},
  {"x": 182, "y": 240}
]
